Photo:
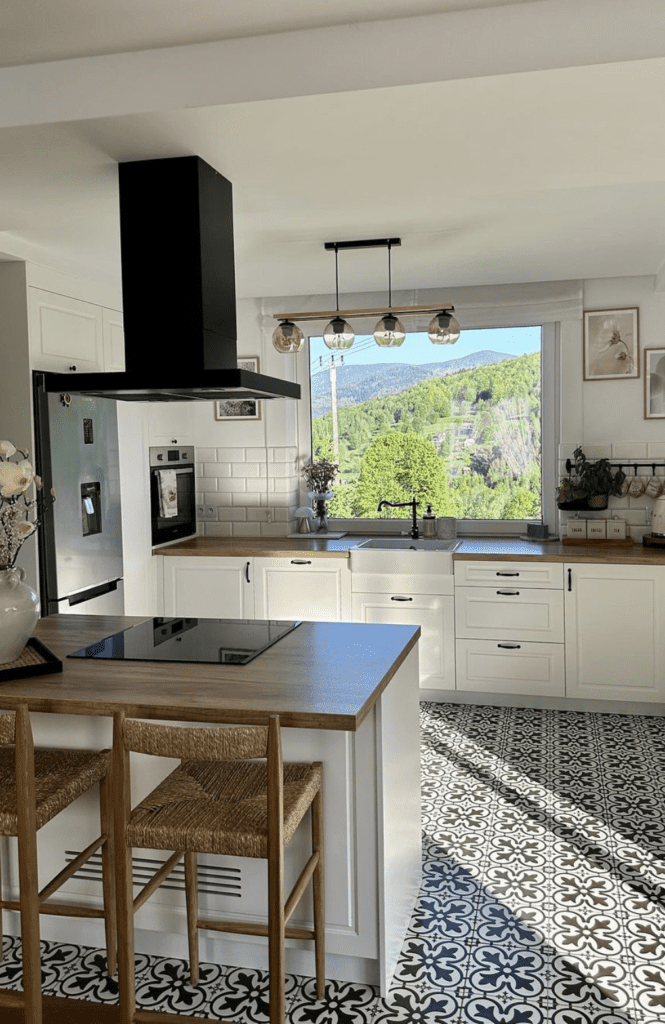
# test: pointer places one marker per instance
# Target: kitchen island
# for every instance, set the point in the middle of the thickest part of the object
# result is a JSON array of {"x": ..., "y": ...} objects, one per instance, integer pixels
[{"x": 346, "y": 694}]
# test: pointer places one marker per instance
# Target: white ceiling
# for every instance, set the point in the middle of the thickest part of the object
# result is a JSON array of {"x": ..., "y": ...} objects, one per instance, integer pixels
[
  {"x": 35, "y": 30},
  {"x": 538, "y": 175}
]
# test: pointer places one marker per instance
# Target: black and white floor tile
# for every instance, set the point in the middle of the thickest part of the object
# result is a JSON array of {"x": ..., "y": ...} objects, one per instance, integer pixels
[{"x": 542, "y": 898}]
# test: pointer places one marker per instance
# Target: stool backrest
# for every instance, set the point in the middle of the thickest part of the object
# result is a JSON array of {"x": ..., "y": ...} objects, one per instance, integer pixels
[{"x": 218, "y": 744}]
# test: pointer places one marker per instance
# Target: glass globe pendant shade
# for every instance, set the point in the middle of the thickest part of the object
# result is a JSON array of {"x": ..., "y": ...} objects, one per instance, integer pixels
[
  {"x": 338, "y": 333},
  {"x": 443, "y": 329},
  {"x": 288, "y": 337},
  {"x": 389, "y": 332}
]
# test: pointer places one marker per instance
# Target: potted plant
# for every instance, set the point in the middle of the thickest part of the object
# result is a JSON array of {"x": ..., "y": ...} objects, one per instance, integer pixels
[{"x": 588, "y": 484}]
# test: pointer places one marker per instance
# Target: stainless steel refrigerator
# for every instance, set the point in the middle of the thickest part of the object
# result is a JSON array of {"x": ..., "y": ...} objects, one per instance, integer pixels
[{"x": 80, "y": 543}]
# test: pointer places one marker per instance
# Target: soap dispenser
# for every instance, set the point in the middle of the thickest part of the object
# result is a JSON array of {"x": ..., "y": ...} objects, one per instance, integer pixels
[{"x": 429, "y": 523}]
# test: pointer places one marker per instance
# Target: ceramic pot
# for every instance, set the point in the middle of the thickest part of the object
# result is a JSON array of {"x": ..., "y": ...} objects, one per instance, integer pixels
[{"x": 19, "y": 611}]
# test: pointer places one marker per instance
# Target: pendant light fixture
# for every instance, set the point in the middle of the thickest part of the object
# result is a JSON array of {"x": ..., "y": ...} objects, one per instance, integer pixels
[
  {"x": 287, "y": 337},
  {"x": 443, "y": 329},
  {"x": 389, "y": 332},
  {"x": 338, "y": 334}
]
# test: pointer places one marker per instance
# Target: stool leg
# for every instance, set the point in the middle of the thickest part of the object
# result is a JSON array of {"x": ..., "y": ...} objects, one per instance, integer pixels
[
  {"x": 124, "y": 890},
  {"x": 2, "y": 932},
  {"x": 192, "y": 900},
  {"x": 28, "y": 874},
  {"x": 276, "y": 955},
  {"x": 318, "y": 893},
  {"x": 108, "y": 875}
]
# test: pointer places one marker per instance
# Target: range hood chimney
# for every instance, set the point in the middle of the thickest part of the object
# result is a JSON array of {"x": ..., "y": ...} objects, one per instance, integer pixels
[{"x": 178, "y": 289}]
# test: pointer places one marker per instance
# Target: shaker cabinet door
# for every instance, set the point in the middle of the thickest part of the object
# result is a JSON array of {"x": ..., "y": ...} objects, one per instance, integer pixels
[
  {"x": 65, "y": 333},
  {"x": 209, "y": 588},
  {"x": 615, "y": 641}
]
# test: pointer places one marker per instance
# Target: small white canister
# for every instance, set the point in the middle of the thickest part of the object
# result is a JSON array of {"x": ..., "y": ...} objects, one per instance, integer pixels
[
  {"x": 446, "y": 528},
  {"x": 658, "y": 518}
]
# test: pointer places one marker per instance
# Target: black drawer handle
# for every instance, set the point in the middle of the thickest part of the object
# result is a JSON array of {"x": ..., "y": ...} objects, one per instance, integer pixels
[
  {"x": 401, "y": 599},
  {"x": 507, "y": 574},
  {"x": 300, "y": 561},
  {"x": 570, "y": 579},
  {"x": 247, "y": 573},
  {"x": 510, "y": 647},
  {"x": 509, "y": 593}
]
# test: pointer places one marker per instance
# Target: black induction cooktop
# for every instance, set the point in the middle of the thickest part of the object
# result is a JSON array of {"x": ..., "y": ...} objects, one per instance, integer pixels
[{"x": 206, "y": 641}]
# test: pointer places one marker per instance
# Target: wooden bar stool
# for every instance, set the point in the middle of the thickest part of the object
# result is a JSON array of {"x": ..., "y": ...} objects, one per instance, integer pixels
[
  {"x": 35, "y": 785},
  {"x": 217, "y": 801}
]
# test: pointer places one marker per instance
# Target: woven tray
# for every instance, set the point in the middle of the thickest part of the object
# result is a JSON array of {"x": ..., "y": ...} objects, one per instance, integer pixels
[{"x": 34, "y": 660}]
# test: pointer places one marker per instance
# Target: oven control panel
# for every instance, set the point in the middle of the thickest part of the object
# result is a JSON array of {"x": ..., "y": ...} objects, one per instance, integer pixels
[{"x": 161, "y": 457}]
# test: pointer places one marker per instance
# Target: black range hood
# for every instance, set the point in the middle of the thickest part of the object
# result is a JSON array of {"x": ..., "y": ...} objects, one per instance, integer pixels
[{"x": 178, "y": 290}]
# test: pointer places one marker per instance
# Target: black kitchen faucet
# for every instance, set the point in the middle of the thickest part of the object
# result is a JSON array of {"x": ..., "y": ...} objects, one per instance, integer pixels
[{"x": 413, "y": 532}]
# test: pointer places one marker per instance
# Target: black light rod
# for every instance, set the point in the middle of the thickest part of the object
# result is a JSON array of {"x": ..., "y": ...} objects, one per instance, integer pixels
[{"x": 364, "y": 243}]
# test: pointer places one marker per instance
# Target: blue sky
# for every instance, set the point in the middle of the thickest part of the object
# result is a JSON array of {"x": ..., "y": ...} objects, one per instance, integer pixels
[{"x": 417, "y": 348}]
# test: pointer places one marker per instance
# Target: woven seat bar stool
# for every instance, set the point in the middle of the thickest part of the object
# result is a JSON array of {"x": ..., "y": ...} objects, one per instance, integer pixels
[
  {"x": 218, "y": 801},
  {"x": 35, "y": 785}
]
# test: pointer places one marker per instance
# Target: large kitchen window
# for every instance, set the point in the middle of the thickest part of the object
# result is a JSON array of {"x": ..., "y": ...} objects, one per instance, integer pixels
[{"x": 459, "y": 426}]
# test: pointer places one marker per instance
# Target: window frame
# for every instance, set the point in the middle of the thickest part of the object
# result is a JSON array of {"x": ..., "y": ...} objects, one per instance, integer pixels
[{"x": 549, "y": 432}]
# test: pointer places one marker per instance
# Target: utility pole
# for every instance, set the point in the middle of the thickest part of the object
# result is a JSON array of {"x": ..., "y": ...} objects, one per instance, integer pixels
[{"x": 332, "y": 370}]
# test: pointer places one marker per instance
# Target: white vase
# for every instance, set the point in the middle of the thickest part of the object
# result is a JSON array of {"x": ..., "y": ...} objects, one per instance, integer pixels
[{"x": 19, "y": 611}]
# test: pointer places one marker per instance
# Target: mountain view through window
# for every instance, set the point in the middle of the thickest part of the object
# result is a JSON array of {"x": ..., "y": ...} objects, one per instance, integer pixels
[{"x": 458, "y": 426}]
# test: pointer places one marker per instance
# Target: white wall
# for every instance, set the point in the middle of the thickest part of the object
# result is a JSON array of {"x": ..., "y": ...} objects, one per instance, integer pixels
[{"x": 607, "y": 417}]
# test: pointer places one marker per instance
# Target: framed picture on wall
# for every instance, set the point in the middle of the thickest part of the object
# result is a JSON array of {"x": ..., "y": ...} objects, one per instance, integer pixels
[
  {"x": 240, "y": 408},
  {"x": 654, "y": 383},
  {"x": 611, "y": 344}
]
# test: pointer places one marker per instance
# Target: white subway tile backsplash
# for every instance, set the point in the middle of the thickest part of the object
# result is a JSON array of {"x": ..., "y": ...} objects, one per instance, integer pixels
[
  {"x": 244, "y": 530},
  {"x": 217, "y": 529},
  {"x": 216, "y": 499},
  {"x": 273, "y": 530},
  {"x": 231, "y": 454},
  {"x": 629, "y": 450},
  {"x": 249, "y": 499},
  {"x": 283, "y": 454},
  {"x": 217, "y": 469},
  {"x": 246, "y": 469},
  {"x": 232, "y": 515},
  {"x": 256, "y": 454},
  {"x": 234, "y": 485},
  {"x": 656, "y": 450},
  {"x": 206, "y": 454},
  {"x": 281, "y": 469},
  {"x": 258, "y": 515},
  {"x": 282, "y": 486}
]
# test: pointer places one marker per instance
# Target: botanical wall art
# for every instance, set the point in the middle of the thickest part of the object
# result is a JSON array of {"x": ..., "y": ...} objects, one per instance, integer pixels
[
  {"x": 611, "y": 344},
  {"x": 654, "y": 383},
  {"x": 240, "y": 408}
]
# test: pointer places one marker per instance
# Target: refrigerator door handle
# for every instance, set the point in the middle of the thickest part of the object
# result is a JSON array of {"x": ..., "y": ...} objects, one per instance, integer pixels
[{"x": 97, "y": 591}]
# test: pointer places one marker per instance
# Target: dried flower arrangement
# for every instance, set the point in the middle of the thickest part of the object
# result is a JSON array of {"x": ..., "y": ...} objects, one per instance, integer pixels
[
  {"x": 20, "y": 516},
  {"x": 320, "y": 476}
]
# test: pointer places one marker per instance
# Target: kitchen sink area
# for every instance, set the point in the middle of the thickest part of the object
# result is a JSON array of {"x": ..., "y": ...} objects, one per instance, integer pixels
[{"x": 403, "y": 555}]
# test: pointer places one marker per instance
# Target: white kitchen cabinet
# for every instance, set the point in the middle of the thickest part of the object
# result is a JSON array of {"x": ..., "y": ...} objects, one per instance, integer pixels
[
  {"x": 170, "y": 423},
  {"x": 502, "y": 666},
  {"x": 434, "y": 613},
  {"x": 314, "y": 589},
  {"x": 509, "y": 612},
  {"x": 213, "y": 588},
  {"x": 113, "y": 333},
  {"x": 615, "y": 640},
  {"x": 65, "y": 333},
  {"x": 487, "y": 573}
]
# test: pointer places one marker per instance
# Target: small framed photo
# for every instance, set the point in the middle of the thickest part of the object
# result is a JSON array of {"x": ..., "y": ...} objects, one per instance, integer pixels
[
  {"x": 654, "y": 383},
  {"x": 611, "y": 344},
  {"x": 240, "y": 408}
]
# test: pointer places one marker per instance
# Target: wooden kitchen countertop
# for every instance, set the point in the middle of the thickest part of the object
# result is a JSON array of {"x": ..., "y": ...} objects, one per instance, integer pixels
[
  {"x": 499, "y": 548},
  {"x": 266, "y": 547},
  {"x": 516, "y": 550},
  {"x": 322, "y": 675}
]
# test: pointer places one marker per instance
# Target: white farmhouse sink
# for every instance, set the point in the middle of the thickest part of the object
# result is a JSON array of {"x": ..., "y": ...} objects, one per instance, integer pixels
[{"x": 404, "y": 555}]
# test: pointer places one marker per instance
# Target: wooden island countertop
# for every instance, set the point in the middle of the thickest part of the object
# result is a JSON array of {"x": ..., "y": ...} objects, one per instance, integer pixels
[{"x": 322, "y": 675}]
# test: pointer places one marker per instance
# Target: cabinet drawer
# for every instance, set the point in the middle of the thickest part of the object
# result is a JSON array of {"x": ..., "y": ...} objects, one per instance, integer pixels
[
  {"x": 487, "y": 666},
  {"x": 508, "y": 612},
  {"x": 528, "y": 574}
]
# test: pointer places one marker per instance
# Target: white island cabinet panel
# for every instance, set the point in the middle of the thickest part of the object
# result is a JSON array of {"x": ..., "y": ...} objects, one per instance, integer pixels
[
  {"x": 315, "y": 589},
  {"x": 209, "y": 588},
  {"x": 615, "y": 640}
]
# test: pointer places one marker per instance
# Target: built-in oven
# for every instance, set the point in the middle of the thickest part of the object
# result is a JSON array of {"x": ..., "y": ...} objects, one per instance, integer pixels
[{"x": 172, "y": 494}]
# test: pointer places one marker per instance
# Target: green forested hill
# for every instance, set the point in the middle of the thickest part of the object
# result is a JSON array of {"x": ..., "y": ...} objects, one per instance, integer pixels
[{"x": 482, "y": 426}]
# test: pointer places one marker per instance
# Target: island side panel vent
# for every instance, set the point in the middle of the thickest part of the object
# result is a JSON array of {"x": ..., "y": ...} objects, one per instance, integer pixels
[
  {"x": 213, "y": 879},
  {"x": 178, "y": 269}
]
